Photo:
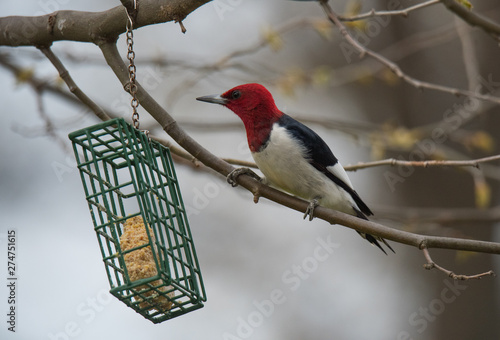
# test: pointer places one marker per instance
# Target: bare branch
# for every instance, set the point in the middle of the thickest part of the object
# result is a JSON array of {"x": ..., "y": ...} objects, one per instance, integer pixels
[
  {"x": 431, "y": 264},
  {"x": 424, "y": 164},
  {"x": 473, "y": 18},
  {"x": 228, "y": 62},
  {"x": 394, "y": 67},
  {"x": 36, "y": 83},
  {"x": 393, "y": 162},
  {"x": 89, "y": 26},
  {"x": 402, "y": 12},
  {"x": 64, "y": 74}
]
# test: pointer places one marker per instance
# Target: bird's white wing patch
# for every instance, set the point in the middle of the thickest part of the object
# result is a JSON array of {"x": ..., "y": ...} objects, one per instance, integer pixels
[{"x": 338, "y": 170}]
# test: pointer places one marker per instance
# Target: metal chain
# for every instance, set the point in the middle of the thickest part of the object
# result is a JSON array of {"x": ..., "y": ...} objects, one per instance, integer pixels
[{"x": 131, "y": 71}]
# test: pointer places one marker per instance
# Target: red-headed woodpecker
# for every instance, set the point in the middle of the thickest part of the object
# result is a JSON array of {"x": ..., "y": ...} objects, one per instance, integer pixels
[{"x": 291, "y": 156}]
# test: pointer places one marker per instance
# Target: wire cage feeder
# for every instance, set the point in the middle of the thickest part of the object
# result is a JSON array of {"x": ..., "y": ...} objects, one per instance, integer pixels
[{"x": 140, "y": 220}]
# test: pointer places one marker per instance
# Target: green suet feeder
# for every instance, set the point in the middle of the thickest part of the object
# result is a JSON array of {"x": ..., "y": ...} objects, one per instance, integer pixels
[{"x": 140, "y": 220}]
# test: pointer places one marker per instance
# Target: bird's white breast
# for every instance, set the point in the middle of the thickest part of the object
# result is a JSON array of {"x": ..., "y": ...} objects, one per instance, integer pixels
[{"x": 284, "y": 164}]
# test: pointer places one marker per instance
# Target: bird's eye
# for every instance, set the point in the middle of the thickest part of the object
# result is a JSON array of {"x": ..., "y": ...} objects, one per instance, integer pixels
[{"x": 235, "y": 94}]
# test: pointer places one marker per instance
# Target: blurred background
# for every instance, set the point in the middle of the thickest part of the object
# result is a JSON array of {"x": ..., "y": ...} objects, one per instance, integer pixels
[{"x": 260, "y": 264}]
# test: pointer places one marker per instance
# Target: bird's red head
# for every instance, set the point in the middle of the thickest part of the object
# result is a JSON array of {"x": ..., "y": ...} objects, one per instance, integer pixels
[
  {"x": 254, "y": 104},
  {"x": 252, "y": 100}
]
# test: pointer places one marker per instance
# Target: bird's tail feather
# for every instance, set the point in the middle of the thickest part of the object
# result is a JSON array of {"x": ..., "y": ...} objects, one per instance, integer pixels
[{"x": 370, "y": 238}]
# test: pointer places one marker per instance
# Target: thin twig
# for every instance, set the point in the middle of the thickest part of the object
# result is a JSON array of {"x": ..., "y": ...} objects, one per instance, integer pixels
[
  {"x": 424, "y": 164},
  {"x": 228, "y": 61},
  {"x": 73, "y": 88},
  {"x": 431, "y": 264},
  {"x": 392, "y": 162},
  {"x": 473, "y": 18},
  {"x": 333, "y": 17},
  {"x": 401, "y": 12},
  {"x": 36, "y": 83}
]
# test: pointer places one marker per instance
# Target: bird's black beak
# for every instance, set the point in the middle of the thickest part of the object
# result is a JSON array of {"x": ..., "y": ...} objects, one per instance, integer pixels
[{"x": 216, "y": 99}]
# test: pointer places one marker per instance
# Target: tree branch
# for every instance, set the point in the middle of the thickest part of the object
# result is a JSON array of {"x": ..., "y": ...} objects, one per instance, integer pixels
[
  {"x": 468, "y": 16},
  {"x": 73, "y": 88},
  {"x": 473, "y": 19},
  {"x": 89, "y": 26},
  {"x": 402, "y": 12},
  {"x": 424, "y": 164},
  {"x": 431, "y": 264},
  {"x": 393, "y": 162},
  {"x": 39, "y": 85},
  {"x": 333, "y": 17}
]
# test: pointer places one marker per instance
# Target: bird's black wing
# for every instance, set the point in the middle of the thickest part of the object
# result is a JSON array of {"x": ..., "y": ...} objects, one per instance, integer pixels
[{"x": 321, "y": 157}]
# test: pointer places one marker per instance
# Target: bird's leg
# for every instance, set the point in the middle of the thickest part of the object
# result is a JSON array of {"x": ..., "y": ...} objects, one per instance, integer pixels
[
  {"x": 310, "y": 209},
  {"x": 233, "y": 175}
]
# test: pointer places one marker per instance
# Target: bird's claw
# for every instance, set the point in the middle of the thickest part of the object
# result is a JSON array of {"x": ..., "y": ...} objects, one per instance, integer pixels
[
  {"x": 310, "y": 209},
  {"x": 233, "y": 175}
]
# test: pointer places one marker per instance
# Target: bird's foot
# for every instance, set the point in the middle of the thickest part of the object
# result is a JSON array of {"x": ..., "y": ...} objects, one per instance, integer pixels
[
  {"x": 310, "y": 209},
  {"x": 233, "y": 175}
]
